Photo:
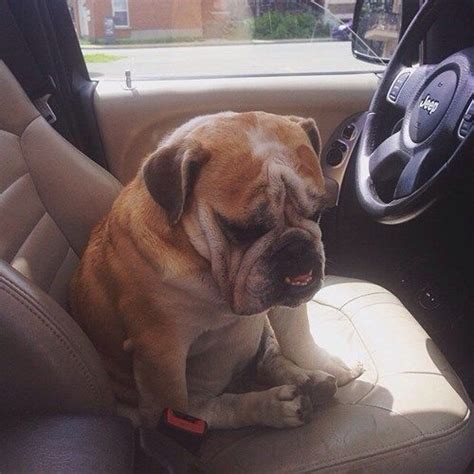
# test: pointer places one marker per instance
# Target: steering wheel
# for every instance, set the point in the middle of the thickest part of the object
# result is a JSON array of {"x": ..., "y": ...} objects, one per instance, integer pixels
[{"x": 405, "y": 164}]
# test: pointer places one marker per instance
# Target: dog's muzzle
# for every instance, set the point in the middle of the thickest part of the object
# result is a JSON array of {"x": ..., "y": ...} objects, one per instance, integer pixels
[
  {"x": 287, "y": 273},
  {"x": 297, "y": 270}
]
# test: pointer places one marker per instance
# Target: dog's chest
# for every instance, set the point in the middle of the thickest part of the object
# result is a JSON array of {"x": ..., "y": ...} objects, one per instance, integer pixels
[{"x": 218, "y": 355}]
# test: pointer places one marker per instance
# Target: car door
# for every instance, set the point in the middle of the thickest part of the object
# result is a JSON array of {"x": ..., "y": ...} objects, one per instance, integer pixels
[{"x": 243, "y": 56}]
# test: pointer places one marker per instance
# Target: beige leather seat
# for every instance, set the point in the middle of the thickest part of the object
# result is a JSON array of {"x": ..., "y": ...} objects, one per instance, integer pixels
[{"x": 407, "y": 413}]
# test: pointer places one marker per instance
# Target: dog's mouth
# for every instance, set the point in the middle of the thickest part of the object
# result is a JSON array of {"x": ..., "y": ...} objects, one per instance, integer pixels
[{"x": 304, "y": 279}]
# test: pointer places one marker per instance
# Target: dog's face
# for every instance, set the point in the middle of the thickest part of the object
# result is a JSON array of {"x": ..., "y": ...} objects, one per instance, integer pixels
[{"x": 249, "y": 190}]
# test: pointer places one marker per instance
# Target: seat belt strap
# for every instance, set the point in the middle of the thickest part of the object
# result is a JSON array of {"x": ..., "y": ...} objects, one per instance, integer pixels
[{"x": 14, "y": 51}]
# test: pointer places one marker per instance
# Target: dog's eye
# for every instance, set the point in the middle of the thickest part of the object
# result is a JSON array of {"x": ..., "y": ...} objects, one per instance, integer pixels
[
  {"x": 245, "y": 234},
  {"x": 241, "y": 233}
]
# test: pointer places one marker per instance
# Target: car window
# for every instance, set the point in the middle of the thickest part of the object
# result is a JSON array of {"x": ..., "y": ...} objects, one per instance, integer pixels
[{"x": 164, "y": 39}]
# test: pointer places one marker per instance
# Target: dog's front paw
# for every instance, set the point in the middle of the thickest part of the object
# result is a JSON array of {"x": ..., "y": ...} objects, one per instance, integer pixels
[
  {"x": 343, "y": 373},
  {"x": 319, "y": 390},
  {"x": 288, "y": 407}
]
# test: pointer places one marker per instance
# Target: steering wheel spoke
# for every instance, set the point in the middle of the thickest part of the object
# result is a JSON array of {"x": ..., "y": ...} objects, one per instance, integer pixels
[
  {"x": 411, "y": 177},
  {"x": 388, "y": 158}
]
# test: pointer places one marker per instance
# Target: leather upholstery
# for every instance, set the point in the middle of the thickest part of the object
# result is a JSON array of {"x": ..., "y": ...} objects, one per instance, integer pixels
[
  {"x": 50, "y": 197},
  {"x": 51, "y": 194},
  {"x": 407, "y": 413},
  {"x": 47, "y": 364},
  {"x": 66, "y": 444}
]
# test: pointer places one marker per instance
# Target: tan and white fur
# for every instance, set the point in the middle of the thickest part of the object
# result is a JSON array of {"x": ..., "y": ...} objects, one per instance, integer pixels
[{"x": 201, "y": 271}]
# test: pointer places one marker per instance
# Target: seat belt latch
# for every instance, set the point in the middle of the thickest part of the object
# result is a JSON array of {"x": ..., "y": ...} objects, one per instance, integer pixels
[
  {"x": 45, "y": 109},
  {"x": 186, "y": 430}
]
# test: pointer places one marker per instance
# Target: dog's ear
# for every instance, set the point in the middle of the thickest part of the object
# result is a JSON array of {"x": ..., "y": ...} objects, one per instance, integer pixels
[
  {"x": 311, "y": 129},
  {"x": 170, "y": 174}
]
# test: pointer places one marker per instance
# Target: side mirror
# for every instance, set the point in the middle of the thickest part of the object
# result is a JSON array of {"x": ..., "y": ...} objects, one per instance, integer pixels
[{"x": 377, "y": 27}]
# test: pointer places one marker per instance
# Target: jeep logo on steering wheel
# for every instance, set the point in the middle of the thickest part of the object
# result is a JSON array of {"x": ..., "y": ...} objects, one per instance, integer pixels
[{"x": 429, "y": 104}]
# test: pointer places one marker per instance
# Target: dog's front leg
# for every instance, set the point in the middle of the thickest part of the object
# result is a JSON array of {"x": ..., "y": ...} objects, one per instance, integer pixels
[
  {"x": 273, "y": 368},
  {"x": 291, "y": 327},
  {"x": 159, "y": 351},
  {"x": 159, "y": 366},
  {"x": 279, "y": 407}
]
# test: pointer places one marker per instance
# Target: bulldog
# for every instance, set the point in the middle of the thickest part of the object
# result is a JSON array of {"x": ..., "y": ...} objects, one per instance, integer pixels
[{"x": 201, "y": 270}]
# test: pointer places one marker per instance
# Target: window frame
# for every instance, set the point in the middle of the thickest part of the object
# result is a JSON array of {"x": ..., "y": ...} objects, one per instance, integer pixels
[{"x": 127, "y": 10}]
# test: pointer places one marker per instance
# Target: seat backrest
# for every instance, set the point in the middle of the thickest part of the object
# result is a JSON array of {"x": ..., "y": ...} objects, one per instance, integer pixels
[{"x": 51, "y": 195}]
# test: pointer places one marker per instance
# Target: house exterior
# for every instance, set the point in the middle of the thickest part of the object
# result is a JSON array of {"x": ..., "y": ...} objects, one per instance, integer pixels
[
  {"x": 138, "y": 19},
  {"x": 145, "y": 20}
]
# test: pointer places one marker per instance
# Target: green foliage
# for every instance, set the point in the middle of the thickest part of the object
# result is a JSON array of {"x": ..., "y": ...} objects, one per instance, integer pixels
[
  {"x": 101, "y": 58},
  {"x": 278, "y": 25},
  {"x": 134, "y": 41}
]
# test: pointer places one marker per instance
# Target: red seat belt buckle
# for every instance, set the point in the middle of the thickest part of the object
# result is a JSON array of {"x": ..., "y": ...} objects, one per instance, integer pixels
[{"x": 186, "y": 430}]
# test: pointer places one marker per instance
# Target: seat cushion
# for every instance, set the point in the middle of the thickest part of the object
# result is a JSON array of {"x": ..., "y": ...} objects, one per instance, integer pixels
[
  {"x": 67, "y": 444},
  {"x": 407, "y": 413}
]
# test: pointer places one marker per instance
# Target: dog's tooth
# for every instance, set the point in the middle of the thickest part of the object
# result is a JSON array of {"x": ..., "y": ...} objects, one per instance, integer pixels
[{"x": 304, "y": 282}]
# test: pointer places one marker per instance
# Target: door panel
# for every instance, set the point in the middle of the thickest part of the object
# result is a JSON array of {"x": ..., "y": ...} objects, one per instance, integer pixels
[{"x": 133, "y": 121}]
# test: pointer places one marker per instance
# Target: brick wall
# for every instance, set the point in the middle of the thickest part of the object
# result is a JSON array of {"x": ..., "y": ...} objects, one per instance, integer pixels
[{"x": 148, "y": 19}]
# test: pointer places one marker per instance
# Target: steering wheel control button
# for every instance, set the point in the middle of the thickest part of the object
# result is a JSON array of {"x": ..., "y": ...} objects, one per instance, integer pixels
[
  {"x": 348, "y": 132},
  {"x": 397, "y": 86},
  {"x": 467, "y": 121},
  {"x": 341, "y": 146},
  {"x": 336, "y": 153},
  {"x": 334, "y": 156},
  {"x": 431, "y": 106}
]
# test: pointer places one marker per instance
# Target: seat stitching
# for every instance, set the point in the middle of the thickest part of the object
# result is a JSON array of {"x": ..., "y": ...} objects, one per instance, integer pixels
[
  {"x": 10, "y": 288},
  {"x": 68, "y": 251},
  {"x": 14, "y": 181},
  {"x": 358, "y": 310},
  {"x": 28, "y": 236},
  {"x": 11, "y": 133},
  {"x": 60, "y": 265},
  {"x": 368, "y": 294},
  {"x": 410, "y": 372},
  {"x": 390, "y": 410},
  {"x": 33, "y": 181},
  {"x": 28, "y": 124},
  {"x": 109, "y": 176},
  {"x": 351, "y": 300},
  {"x": 368, "y": 353},
  {"x": 21, "y": 243}
]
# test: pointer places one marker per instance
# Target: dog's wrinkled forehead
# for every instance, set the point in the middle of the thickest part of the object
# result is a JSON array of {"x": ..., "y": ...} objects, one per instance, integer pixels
[{"x": 258, "y": 157}]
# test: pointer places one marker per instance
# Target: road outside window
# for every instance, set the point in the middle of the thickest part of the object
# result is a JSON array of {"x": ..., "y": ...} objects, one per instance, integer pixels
[{"x": 163, "y": 39}]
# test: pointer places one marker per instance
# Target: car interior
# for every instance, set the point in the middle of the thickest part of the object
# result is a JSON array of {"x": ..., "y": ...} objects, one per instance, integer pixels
[{"x": 397, "y": 158}]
